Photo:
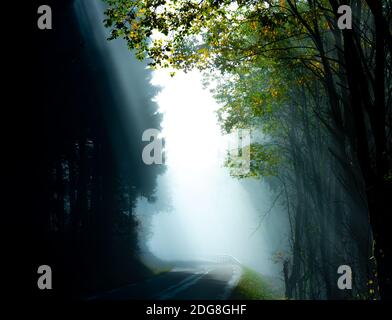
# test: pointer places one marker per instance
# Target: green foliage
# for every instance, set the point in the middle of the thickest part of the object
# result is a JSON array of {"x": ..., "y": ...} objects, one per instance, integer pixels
[
  {"x": 214, "y": 33},
  {"x": 242, "y": 40},
  {"x": 264, "y": 162},
  {"x": 252, "y": 286}
]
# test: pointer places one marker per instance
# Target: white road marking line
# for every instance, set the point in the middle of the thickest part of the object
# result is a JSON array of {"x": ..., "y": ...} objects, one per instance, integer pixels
[
  {"x": 232, "y": 283},
  {"x": 184, "y": 284}
]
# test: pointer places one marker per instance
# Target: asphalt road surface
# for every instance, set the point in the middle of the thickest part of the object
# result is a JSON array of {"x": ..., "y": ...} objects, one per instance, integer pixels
[{"x": 186, "y": 281}]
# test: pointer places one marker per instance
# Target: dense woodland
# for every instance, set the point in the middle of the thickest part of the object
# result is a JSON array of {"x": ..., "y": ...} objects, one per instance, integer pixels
[
  {"x": 89, "y": 170},
  {"x": 322, "y": 98}
]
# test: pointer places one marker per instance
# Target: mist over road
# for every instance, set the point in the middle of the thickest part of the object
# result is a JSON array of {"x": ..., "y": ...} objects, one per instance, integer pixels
[{"x": 193, "y": 280}]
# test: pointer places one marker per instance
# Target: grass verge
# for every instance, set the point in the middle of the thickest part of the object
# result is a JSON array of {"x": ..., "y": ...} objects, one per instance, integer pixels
[{"x": 252, "y": 286}]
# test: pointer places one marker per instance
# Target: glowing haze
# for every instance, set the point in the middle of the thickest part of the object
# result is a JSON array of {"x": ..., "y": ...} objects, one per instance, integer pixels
[{"x": 209, "y": 212}]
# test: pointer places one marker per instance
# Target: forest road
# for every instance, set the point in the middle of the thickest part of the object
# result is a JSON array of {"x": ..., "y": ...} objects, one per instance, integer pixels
[{"x": 186, "y": 281}]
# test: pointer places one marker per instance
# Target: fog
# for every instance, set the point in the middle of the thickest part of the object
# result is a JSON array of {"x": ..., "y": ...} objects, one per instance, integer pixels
[
  {"x": 198, "y": 210},
  {"x": 206, "y": 211}
]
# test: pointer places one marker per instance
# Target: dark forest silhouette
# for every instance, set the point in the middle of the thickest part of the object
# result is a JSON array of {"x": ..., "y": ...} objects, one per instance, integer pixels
[{"x": 91, "y": 171}]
